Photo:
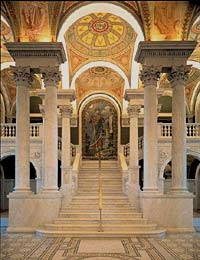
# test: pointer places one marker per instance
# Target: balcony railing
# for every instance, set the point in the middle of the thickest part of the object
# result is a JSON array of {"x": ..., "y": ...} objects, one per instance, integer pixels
[
  {"x": 192, "y": 130},
  {"x": 164, "y": 132},
  {"x": 8, "y": 131}
]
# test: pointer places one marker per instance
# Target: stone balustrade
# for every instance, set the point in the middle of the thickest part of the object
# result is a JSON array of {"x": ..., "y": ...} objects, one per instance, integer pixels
[
  {"x": 165, "y": 132},
  {"x": 9, "y": 130}
]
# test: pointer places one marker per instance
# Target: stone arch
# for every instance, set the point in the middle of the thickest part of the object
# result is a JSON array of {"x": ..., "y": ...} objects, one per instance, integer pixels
[
  {"x": 101, "y": 7},
  {"x": 169, "y": 158},
  {"x": 34, "y": 163}
]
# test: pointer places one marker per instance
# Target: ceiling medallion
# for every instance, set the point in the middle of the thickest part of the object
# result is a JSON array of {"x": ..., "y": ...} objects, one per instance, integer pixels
[
  {"x": 99, "y": 70},
  {"x": 100, "y": 26}
]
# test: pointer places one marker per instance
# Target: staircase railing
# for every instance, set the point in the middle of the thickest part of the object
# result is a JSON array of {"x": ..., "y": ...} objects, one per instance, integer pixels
[{"x": 100, "y": 194}]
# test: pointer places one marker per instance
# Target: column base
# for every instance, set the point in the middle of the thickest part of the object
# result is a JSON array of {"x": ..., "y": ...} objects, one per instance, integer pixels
[
  {"x": 50, "y": 190},
  {"x": 179, "y": 191},
  {"x": 151, "y": 190}
]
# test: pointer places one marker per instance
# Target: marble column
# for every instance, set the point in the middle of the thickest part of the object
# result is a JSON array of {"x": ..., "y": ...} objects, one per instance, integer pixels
[
  {"x": 23, "y": 80},
  {"x": 133, "y": 189},
  {"x": 178, "y": 78},
  {"x": 51, "y": 77},
  {"x": 66, "y": 111},
  {"x": 149, "y": 77}
]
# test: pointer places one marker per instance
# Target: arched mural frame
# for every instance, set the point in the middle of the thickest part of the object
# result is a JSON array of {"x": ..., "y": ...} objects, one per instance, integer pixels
[{"x": 93, "y": 97}]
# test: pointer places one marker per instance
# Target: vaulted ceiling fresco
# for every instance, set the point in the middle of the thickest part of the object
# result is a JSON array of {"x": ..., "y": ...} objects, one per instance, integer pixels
[
  {"x": 99, "y": 80},
  {"x": 100, "y": 36},
  {"x": 6, "y": 36}
]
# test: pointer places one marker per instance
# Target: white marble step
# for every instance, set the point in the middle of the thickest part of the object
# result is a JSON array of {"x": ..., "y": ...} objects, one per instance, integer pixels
[
  {"x": 104, "y": 234},
  {"x": 96, "y": 215},
  {"x": 84, "y": 221},
  {"x": 95, "y": 227},
  {"x": 96, "y": 206}
]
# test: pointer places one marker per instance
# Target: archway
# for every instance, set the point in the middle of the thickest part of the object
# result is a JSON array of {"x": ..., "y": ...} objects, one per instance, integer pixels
[
  {"x": 99, "y": 130},
  {"x": 7, "y": 180}
]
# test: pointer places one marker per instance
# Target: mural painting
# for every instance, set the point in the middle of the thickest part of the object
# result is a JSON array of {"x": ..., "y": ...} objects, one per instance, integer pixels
[{"x": 99, "y": 130}]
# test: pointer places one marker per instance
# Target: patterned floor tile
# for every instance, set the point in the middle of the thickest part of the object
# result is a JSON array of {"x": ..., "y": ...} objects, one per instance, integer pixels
[{"x": 30, "y": 247}]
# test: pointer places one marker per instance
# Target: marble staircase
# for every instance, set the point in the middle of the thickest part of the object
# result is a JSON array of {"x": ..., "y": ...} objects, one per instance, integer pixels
[{"x": 81, "y": 217}]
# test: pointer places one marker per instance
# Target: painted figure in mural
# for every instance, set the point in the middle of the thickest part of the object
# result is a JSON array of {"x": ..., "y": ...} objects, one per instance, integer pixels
[
  {"x": 35, "y": 16},
  {"x": 98, "y": 131},
  {"x": 165, "y": 18}
]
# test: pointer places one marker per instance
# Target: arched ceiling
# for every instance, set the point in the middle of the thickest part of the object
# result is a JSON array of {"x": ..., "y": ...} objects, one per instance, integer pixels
[
  {"x": 99, "y": 80},
  {"x": 100, "y": 36}
]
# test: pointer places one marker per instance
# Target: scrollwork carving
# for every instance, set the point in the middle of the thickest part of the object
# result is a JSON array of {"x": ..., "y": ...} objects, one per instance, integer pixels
[
  {"x": 50, "y": 75},
  {"x": 22, "y": 76},
  {"x": 66, "y": 110},
  {"x": 133, "y": 110},
  {"x": 179, "y": 75},
  {"x": 150, "y": 75}
]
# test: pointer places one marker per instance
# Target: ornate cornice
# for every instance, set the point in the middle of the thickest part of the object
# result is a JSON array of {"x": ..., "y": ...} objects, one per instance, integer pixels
[
  {"x": 37, "y": 49},
  {"x": 51, "y": 76},
  {"x": 164, "y": 49},
  {"x": 179, "y": 75},
  {"x": 66, "y": 94},
  {"x": 22, "y": 76},
  {"x": 150, "y": 75},
  {"x": 134, "y": 94}
]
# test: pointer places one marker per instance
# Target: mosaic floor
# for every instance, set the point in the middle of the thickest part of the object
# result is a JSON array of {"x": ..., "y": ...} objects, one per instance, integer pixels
[{"x": 30, "y": 247}]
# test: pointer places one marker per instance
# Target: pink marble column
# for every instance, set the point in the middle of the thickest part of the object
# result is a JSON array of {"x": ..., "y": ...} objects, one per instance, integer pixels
[
  {"x": 23, "y": 80},
  {"x": 66, "y": 111},
  {"x": 51, "y": 78},
  {"x": 149, "y": 77},
  {"x": 178, "y": 78}
]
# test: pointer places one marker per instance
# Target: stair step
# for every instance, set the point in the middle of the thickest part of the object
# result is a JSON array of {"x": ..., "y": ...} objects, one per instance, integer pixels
[
  {"x": 106, "y": 227},
  {"x": 96, "y": 234},
  {"x": 96, "y": 214},
  {"x": 84, "y": 221}
]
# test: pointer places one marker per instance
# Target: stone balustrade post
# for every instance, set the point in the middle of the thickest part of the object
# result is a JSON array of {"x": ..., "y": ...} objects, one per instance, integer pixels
[
  {"x": 23, "y": 79},
  {"x": 149, "y": 76},
  {"x": 51, "y": 77},
  {"x": 178, "y": 78}
]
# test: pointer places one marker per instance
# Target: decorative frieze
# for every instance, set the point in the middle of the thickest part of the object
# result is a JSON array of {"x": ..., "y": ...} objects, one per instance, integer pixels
[
  {"x": 150, "y": 75},
  {"x": 51, "y": 75},
  {"x": 22, "y": 76},
  {"x": 179, "y": 75}
]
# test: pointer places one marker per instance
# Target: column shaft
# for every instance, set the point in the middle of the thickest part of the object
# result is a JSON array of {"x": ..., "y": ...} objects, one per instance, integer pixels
[
  {"x": 51, "y": 78},
  {"x": 149, "y": 76},
  {"x": 22, "y": 160},
  {"x": 178, "y": 78},
  {"x": 66, "y": 144}
]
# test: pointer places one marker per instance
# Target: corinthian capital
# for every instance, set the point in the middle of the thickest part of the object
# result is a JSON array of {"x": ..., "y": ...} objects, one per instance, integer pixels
[
  {"x": 66, "y": 110},
  {"x": 51, "y": 75},
  {"x": 22, "y": 76},
  {"x": 150, "y": 75},
  {"x": 133, "y": 110},
  {"x": 179, "y": 75}
]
